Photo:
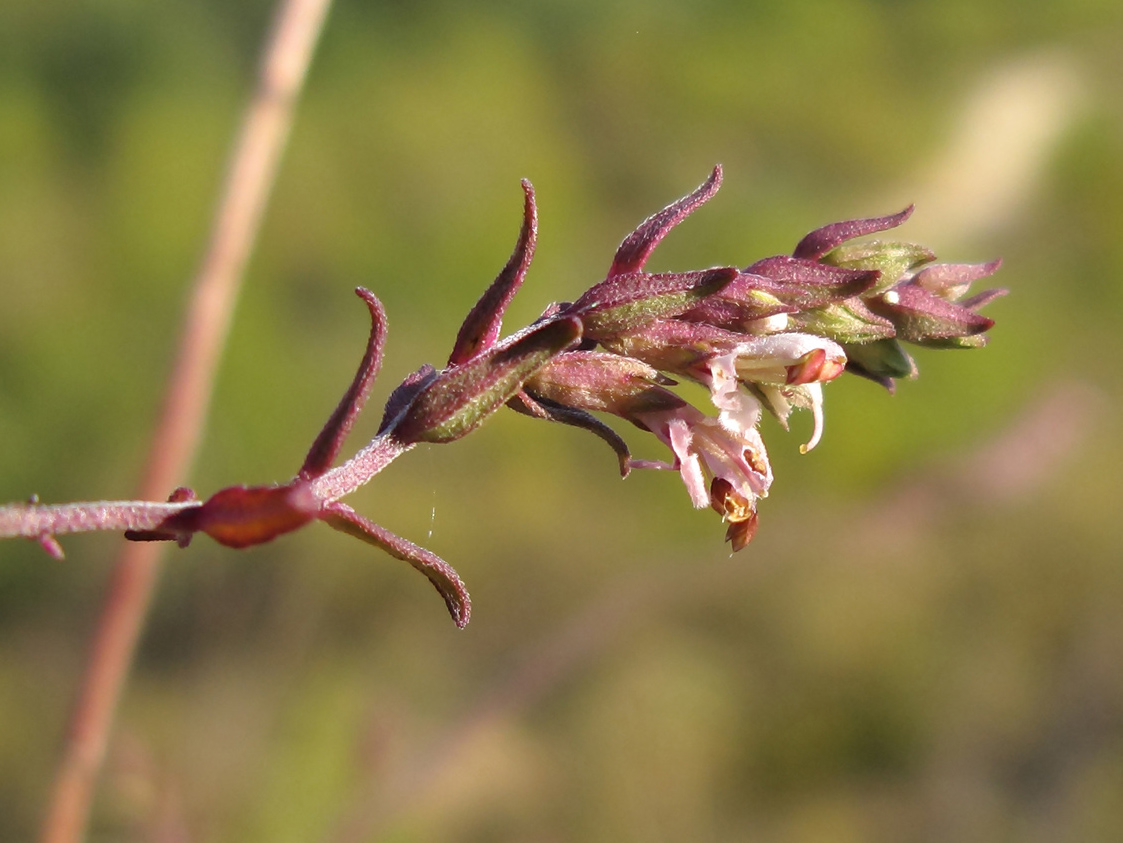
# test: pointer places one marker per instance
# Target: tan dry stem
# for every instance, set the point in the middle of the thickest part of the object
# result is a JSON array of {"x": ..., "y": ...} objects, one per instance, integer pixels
[{"x": 253, "y": 164}]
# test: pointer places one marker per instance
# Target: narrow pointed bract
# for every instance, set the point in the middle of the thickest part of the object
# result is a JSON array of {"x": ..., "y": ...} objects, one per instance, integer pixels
[
  {"x": 326, "y": 447},
  {"x": 822, "y": 240},
  {"x": 543, "y": 408},
  {"x": 637, "y": 247},
  {"x": 481, "y": 328},
  {"x": 443, "y": 576}
]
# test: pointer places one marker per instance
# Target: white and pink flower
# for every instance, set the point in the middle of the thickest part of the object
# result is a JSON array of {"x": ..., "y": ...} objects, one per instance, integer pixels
[
  {"x": 722, "y": 462},
  {"x": 784, "y": 370}
]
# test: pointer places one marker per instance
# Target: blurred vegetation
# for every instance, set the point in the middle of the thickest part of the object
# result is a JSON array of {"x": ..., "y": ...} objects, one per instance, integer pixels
[{"x": 924, "y": 642}]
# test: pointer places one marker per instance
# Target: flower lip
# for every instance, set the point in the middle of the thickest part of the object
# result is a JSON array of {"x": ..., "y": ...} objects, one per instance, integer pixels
[
  {"x": 791, "y": 358},
  {"x": 738, "y": 512},
  {"x": 705, "y": 447}
]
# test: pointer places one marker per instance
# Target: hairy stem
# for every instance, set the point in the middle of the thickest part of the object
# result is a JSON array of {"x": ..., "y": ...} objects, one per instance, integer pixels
[
  {"x": 360, "y": 469},
  {"x": 35, "y": 520}
]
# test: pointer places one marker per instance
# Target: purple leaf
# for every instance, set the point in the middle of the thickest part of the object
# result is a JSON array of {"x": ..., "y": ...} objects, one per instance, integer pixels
[
  {"x": 637, "y": 246},
  {"x": 480, "y": 330},
  {"x": 822, "y": 240},
  {"x": 326, "y": 447},
  {"x": 551, "y": 411},
  {"x": 442, "y": 575}
]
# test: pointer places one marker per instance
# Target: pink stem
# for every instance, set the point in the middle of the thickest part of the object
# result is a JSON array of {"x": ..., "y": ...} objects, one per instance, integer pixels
[
  {"x": 360, "y": 469},
  {"x": 35, "y": 520}
]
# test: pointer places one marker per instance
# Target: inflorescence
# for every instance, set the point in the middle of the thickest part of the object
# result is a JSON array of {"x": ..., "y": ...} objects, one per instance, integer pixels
[{"x": 763, "y": 338}]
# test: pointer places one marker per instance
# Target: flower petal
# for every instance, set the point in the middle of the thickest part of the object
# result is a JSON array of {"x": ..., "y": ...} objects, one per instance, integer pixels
[
  {"x": 739, "y": 410},
  {"x": 814, "y": 395},
  {"x": 690, "y": 465},
  {"x": 790, "y": 358}
]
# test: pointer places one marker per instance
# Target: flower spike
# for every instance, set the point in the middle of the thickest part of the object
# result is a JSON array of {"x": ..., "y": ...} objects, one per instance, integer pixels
[{"x": 768, "y": 337}]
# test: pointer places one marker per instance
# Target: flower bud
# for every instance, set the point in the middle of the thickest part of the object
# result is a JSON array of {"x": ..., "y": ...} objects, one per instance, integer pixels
[
  {"x": 951, "y": 281},
  {"x": 603, "y": 382},
  {"x": 623, "y": 302},
  {"x": 804, "y": 283},
  {"x": 241, "y": 516},
  {"x": 924, "y": 318},
  {"x": 844, "y": 322},
  {"x": 892, "y": 260},
  {"x": 882, "y": 361},
  {"x": 458, "y": 399}
]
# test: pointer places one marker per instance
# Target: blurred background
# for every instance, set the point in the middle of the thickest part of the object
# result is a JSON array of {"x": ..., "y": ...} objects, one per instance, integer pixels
[{"x": 922, "y": 644}]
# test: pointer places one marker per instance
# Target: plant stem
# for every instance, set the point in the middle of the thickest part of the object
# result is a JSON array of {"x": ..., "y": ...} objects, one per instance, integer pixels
[
  {"x": 257, "y": 151},
  {"x": 34, "y": 520}
]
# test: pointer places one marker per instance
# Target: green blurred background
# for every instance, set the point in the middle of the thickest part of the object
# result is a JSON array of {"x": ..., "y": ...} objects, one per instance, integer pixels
[{"x": 925, "y": 641}]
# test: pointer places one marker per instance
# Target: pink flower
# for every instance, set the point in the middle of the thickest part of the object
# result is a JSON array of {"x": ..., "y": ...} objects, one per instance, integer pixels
[
  {"x": 722, "y": 462},
  {"x": 784, "y": 370}
]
